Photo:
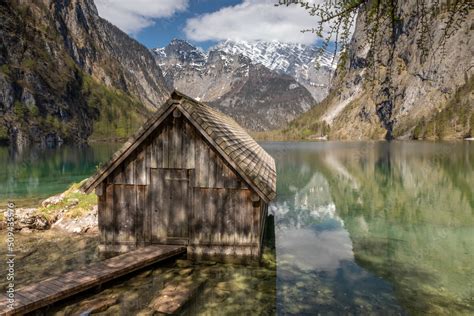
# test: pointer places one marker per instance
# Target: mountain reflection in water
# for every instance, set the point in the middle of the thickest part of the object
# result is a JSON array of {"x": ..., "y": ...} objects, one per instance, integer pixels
[{"x": 384, "y": 228}]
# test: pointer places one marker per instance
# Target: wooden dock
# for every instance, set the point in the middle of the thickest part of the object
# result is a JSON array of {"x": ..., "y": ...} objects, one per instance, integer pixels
[{"x": 57, "y": 288}]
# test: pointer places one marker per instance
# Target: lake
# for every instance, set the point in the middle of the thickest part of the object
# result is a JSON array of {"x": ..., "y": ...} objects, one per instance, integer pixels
[
  {"x": 360, "y": 228},
  {"x": 30, "y": 175}
]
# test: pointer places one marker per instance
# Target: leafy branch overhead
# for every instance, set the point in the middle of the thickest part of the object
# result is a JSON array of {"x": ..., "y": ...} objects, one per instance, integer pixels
[{"x": 336, "y": 20}]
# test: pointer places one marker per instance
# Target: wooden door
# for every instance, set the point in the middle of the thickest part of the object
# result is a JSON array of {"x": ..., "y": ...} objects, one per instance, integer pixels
[{"x": 170, "y": 196}]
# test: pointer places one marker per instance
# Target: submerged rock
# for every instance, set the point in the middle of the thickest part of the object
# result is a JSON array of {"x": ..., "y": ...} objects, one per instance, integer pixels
[
  {"x": 175, "y": 296},
  {"x": 96, "y": 305},
  {"x": 185, "y": 272},
  {"x": 25, "y": 230},
  {"x": 183, "y": 263},
  {"x": 146, "y": 312}
]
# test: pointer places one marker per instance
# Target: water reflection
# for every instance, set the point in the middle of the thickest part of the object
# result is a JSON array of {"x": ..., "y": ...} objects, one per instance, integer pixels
[{"x": 374, "y": 227}]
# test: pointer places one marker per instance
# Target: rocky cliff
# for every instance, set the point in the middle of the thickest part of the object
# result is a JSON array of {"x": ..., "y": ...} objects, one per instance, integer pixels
[
  {"x": 257, "y": 97},
  {"x": 67, "y": 73},
  {"x": 409, "y": 92}
]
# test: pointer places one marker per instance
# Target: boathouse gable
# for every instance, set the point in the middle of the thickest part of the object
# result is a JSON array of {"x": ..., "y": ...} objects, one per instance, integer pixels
[{"x": 174, "y": 183}]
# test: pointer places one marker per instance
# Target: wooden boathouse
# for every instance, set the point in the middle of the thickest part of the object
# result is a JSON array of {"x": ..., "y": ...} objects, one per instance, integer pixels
[{"x": 190, "y": 176}]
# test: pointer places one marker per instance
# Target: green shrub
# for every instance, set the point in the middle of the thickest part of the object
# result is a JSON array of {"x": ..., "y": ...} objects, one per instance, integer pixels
[
  {"x": 5, "y": 69},
  {"x": 3, "y": 134},
  {"x": 20, "y": 110},
  {"x": 34, "y": 111},
  {"x": 454, "y": 121},
  {"x": 471, "y": 125},
  {"x": 28, "y": 63}
]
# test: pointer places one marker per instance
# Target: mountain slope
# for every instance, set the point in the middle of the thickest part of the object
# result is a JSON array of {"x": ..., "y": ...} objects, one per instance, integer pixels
[
  {"x": 257, "y": 97},
  {"x": 302, "y": 62},
  {"x": 408, "y": 95},
  {"x": 66, "y": 73}
]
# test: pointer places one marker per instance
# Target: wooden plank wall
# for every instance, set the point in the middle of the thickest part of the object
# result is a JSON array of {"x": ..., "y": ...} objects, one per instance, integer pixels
[
  {"x": 224, "y": 222},
  {"x": 220, "y": 213}
]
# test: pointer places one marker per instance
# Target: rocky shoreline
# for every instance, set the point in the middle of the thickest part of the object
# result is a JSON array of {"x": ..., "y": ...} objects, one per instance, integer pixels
[{"x": 56, "y": 212}]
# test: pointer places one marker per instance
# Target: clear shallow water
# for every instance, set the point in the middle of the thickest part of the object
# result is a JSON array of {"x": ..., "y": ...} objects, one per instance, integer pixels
[
  {"x": 374, "y": 228},
  {"x": 361, "y": 228}
]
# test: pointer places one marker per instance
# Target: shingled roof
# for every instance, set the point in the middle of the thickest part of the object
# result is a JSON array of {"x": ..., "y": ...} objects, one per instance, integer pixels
[{"x": 234, "y": 144}]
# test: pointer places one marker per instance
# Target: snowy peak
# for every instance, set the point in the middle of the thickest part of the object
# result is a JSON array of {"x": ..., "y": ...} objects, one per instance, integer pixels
[
  {"x": 254, "y": 95},
  {"x": 306, "y": 64},
  {"x": 181, "y": 52},
  {"x": 282, "y": 57}
]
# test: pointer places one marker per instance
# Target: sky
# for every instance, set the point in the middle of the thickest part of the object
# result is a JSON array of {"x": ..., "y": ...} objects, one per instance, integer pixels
[{"x": 155, "y": 23}]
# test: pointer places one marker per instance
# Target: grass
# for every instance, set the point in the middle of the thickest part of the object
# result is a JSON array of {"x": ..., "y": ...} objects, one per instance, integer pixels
[
  {"x": 5, "y": 69},
  {"x": 3, "y": 134},
  {"x": 85, "y": 203},
  {"x": 28, "y": 63}
]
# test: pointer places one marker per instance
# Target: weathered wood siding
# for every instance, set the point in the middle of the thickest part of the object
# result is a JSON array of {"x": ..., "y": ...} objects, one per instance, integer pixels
[
  {"x": 170, "y": 207},
  {"x": 224, "y": 221},
  {"x": 176, "y": 189}
]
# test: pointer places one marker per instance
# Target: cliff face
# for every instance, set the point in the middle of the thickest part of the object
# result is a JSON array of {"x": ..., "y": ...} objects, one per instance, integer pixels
[
  {"x": 65, "y": 73},
  {"x": 265, "y": 99},
  {"x": 410, "y": 93}
]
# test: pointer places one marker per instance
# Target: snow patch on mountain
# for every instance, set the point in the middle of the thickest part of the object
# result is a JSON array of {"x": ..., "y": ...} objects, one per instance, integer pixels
[
  {"x": 257, "y": 97},
  {"x": 279, "y": 56},
  {"x": 307, "y": 64}
]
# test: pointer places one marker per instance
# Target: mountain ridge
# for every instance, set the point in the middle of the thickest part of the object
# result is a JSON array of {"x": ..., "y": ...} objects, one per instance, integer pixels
[
  {"x": 415, "y": 94},
  {"x": 67, "y": 74},
  {"x": 257, "y": 97},
  {"x": 305, "y": 63},
  {"x": 308, "y": 65}
]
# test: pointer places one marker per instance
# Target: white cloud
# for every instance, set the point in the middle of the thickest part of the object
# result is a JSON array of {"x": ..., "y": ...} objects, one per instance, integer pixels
[
  {"x": 253, "y": 20},
  {"x": 131, "y": 16}
]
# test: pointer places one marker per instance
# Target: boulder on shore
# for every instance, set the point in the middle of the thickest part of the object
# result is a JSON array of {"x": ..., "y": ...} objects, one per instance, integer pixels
[
  {"x": 29, "y": 218},
  {"x": 53, "y": 200}
]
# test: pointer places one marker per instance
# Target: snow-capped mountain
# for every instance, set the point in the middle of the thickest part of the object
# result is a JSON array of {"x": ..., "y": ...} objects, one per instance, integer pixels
[
  {"x": 257, "y": 97},
  {"x": 283, "y": 57},
  {"x": 181, "y": 52},
  {"x": 305, "y": 63}
]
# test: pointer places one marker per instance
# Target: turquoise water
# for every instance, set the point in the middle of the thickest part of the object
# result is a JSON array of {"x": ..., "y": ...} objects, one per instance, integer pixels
[
  {"x": 31, "y": 175},
  {"x": 374, "y": 228},
  {"x": 360, "y": 228}
]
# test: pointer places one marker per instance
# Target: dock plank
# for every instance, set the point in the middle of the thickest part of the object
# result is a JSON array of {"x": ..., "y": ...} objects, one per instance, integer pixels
[{"x": 54, "y": 289}]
